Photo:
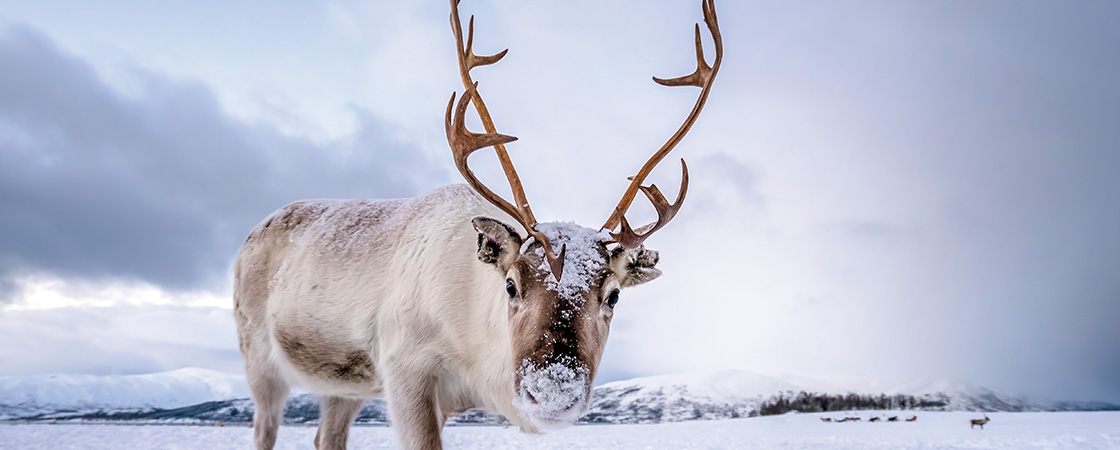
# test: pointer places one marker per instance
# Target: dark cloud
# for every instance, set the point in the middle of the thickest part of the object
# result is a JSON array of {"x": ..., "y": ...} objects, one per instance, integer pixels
[
  {"x": 159, "y": 186},
  {"x": 8, "y": 289}
]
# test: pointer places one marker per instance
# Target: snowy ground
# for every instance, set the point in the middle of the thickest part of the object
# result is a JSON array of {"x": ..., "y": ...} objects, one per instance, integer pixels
[{"x": 932, "y": 430}]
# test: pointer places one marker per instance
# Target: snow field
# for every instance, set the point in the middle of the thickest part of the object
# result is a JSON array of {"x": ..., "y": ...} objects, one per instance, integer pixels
[{"x": 933, "y": 430}]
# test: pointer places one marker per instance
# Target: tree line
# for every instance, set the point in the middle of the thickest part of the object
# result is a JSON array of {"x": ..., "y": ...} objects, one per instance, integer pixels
[{"x": 809, "y": 402}]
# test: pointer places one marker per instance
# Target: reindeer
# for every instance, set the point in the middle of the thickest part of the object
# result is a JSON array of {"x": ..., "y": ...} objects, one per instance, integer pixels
[
  {"x": 452, "y": 300},
  {"x": 874, "y": 419},
  {"x": 912, "y": 419},
  {"x": 892, "y": 419},
  {"x": 980, "y": 422}
]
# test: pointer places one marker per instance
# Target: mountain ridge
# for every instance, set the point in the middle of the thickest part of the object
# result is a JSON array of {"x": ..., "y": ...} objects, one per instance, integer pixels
[{"x": 199, "y": 395}]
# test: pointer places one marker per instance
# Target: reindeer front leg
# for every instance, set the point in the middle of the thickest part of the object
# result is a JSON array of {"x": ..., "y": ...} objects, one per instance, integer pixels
[{"x": 413, "y": 408}]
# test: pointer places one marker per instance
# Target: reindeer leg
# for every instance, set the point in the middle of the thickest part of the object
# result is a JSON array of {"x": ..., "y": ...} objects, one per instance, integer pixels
[
  {"x": 334, "y": 422},
  {"x": 414, "y": 410},
  {"x": 270, "y": 395}
]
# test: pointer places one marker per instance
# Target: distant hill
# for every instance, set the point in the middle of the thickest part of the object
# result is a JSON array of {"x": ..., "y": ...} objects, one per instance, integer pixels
[
  {"x": 197, "y": 395},
  {"x": 36, "y": 395}
]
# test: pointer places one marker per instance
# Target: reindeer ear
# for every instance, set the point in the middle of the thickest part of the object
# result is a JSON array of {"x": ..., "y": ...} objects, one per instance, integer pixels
[
  {"x": 498, "y": 243},
  {"x": 634, "y": 266}
]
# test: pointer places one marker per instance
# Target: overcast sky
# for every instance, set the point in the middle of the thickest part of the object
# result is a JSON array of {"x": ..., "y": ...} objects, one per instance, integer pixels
[{"x": 883, "y": 190}]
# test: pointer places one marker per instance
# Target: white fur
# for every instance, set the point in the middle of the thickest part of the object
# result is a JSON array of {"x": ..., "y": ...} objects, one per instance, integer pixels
[
  {"x": 397, "y": 279},
  {"x": 392, "y": 298}
]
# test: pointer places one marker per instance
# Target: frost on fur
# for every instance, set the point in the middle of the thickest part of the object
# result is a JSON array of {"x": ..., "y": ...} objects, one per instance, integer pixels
[
  {"x": 557, "y": 394},
  {"x": 582, "y": 261}
]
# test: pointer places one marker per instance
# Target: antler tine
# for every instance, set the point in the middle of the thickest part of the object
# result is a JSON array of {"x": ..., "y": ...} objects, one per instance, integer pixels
[
  {"x": 630, "y": 238},
  {"x": 697, "y": 78},
  {"x": 703, "y": 78},
  {"x": 474, "y": 60},
  {"x": 464, "y": 142}
]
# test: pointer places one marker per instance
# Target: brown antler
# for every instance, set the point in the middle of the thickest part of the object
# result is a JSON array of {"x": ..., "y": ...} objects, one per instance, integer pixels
[
  {"x": 464, "y": 142},
  {"x": 701, "y": 78}
]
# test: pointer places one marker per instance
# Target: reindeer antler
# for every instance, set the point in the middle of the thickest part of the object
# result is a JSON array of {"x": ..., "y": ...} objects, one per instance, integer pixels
[
  {"x": 464, "y": 142},
  {"x": 701, "y": 78}
]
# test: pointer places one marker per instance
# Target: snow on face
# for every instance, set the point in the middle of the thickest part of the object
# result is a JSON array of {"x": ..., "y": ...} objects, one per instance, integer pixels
[
  {"x": 553, "y": 396},
  {"x": 583, "y": 260},
  {"x": 553, "y": 385}
]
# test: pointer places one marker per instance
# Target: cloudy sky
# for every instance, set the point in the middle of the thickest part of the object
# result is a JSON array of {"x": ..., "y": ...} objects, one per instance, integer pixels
[{"x": 881, "y": 190}]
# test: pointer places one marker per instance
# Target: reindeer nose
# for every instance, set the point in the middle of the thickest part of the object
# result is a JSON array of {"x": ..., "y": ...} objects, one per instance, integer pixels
[
  {"x": 556, "y": 406},
  {"x": 555, "y": 387},
  {"x": 553, "y": 401}
]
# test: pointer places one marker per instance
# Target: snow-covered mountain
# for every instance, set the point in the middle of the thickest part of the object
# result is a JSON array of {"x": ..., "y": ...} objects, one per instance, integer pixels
[
  {"x": 193, "y": 395},
  {"x": 676, "y": 398},
  {"x": 732, "y": 394},
  {"x": 959, "y": 395},
  {"x": 32, "y": 395}
]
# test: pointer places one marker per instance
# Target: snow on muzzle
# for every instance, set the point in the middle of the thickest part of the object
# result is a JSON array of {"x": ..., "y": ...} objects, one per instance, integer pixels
[{"x": 552, "y": 396}]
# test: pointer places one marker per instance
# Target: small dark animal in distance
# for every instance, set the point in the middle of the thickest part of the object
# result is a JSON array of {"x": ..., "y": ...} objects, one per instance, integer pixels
[{"x": 980, "y": 422}]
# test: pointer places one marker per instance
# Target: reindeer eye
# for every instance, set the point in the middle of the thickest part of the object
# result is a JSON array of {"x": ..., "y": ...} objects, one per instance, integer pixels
[
  {"x": 511, "y": 289},
  {"x": 612, "y": 299}
]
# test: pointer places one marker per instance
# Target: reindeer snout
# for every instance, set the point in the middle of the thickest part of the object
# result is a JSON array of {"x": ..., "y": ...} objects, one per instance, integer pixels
[
  {"x": 530, "y": 395},
  {"x": 555, "y": 387},
  {"x": 552, "y": 396},
  {"x": 572, "y": 404}
]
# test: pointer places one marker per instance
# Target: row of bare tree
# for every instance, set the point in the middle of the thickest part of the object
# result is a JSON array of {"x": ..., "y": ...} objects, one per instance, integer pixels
[{"x": 810, "y": 402}]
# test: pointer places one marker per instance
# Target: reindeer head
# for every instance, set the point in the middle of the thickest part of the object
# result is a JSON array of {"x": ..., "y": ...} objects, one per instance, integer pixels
[
  {"x": 561, "y": 302},
  {"x": 558, "y": 327}
]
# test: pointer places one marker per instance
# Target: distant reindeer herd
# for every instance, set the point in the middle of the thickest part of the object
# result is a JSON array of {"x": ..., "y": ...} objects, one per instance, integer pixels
[
  {"x": 873, "y": 419},
  {"x": 975, "y": 422}
]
